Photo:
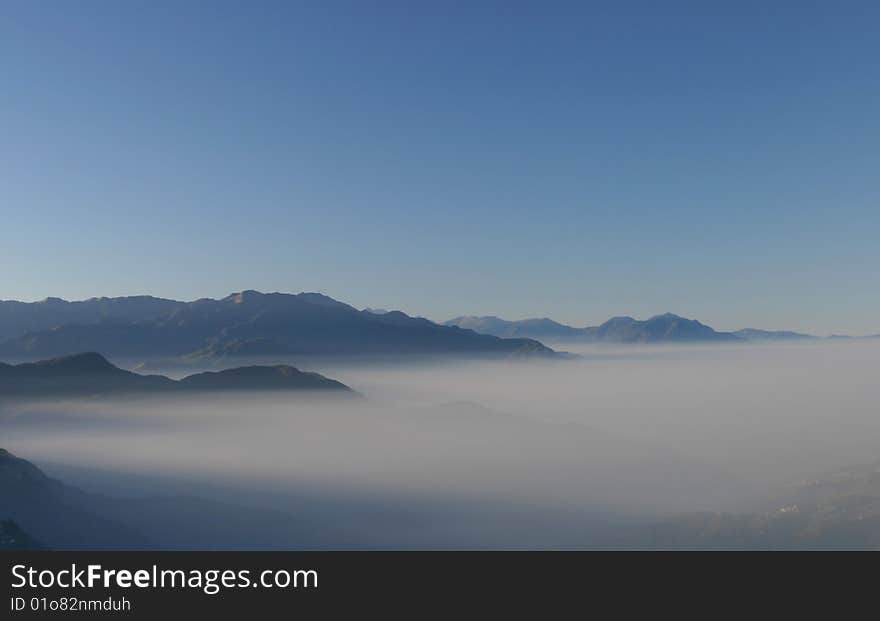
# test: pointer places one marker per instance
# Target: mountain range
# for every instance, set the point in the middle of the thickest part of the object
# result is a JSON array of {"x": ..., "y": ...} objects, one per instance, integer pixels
[
  {"x": 753, "y": 334},
  {"x": 92, "y": 374},
  {"x": 667, "y": 328},
  {"x": 308, "y": 325},
  {"x": 248, "y": 323}
]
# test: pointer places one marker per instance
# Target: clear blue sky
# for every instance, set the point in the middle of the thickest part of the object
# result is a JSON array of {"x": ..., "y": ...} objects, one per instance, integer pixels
[{"x": 575, "y": 160}]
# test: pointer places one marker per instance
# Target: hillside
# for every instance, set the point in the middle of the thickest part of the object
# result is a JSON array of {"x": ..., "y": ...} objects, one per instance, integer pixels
[
  {"x": 61, "y": 516},
  {"x": 541, "y": 329},
  {"x": 753, "y": 334},
  {"x": 92, "y": 374}
]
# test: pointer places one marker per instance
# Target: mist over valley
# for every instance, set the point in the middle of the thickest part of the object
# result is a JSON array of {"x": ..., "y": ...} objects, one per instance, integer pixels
[{"x": 616, "y": 446}]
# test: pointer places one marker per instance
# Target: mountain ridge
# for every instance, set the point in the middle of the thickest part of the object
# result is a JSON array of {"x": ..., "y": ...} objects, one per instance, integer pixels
[
  {"x": 257, "y": 324},
  {"x": 614, "y": 330},
  {"x": 18, "y": 318},
  {"x": 91, "y": 373},
  {"x": 755, "y": 334}
]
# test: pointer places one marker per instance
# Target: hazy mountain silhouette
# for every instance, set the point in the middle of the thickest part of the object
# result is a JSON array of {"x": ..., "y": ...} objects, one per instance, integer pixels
[
  {"x": 257, "y": 324},
  {"x": 667, "y": 328},
  {"x": 61, "y": 516},
  {"x": 753, "y": 334},
  {"x": 544, "y": 328},
  {"x": 281, "y": 377},
  {"x": 92, "y": 374}
]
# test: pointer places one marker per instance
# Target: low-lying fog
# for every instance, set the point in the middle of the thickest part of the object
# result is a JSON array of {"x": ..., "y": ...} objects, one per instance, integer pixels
[{"x": 473, "y": 455}]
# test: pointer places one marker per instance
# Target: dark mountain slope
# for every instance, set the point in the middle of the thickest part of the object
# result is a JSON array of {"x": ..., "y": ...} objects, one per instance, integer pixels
[
  {"x": 666, "y": 328},
  {"x": 61, "y": 516},
  {"x": 80, "y": 374}
]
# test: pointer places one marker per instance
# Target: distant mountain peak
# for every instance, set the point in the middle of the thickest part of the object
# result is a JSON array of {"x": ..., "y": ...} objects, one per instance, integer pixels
[
  {"x": 321, "y": 300},
  {"x": 620, "y": 319},
  {"x": 16, "y": 472},
  {"x": 667, "y": 327},
  {"x": 242, "y": 297},
  {"x": 251, "y": 296},
  {"x": 87, "y": 362},
  {"x": 754, "y": 334},
  {"x": 668, "y": 315}
]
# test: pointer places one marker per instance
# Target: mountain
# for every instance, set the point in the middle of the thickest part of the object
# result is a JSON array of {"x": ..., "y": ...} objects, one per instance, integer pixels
[
  {"x": 376, "y": 311},
  {"x": 279, "y": 377},
  {"x": 13, "y": 538},
  {"x": 752, "y": 334},
  {"x": 80, "y": 374},
  {"x": 57, "y": 516},
  {"x": 259, "y": 324},
  {"x": 541, "y": 329},
  {"x": 666, "y": 328},
  {"x": 20, "y": 318},
  {"x": 92, "y": 374},
  {"x": 61, "y": 516}
]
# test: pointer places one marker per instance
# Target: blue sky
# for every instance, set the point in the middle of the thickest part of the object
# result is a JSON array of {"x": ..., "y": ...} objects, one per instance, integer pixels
[{"x": 573, "y": 160}]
